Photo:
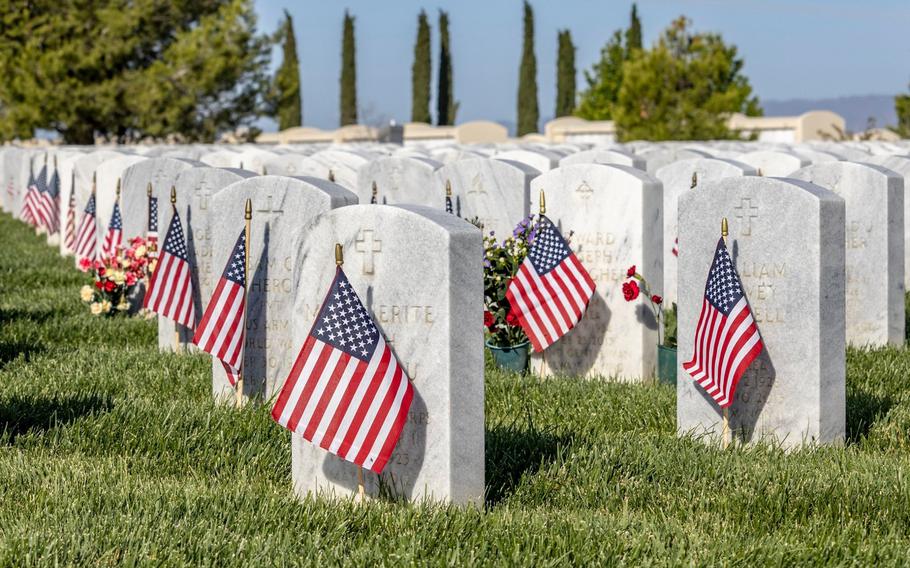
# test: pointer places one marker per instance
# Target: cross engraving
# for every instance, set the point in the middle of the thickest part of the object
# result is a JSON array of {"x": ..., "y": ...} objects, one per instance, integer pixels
[
  {"x": 205, "y": 194},
  {"x": 369, "y": 246},
  {"x": 745, "y": 212},
  {"x": 477, "y": 185},
  {"x": 584, "y": 190},
  {"x": 270, "y": 209}
]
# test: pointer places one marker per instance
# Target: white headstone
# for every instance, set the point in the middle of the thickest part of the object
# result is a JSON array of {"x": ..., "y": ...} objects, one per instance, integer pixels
[
  {"x": 613, "y": 214},
  {"x": 495, "y": 192},
  {"x": 401, "y": 180},
  {"x": 789, "y": 253},
  {"x": 774, "y": 163},
  {"x": 282, "y": 207},
  {"x": 677, "y": 178},
  {"x": 419, "y": 272},
  {"x": 874, "y": 198},
  {"x": 605, "y": 156}
]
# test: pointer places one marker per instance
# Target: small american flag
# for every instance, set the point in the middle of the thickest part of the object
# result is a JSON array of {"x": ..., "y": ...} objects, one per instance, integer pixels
[
  {"x": 52, "y": 205},
  {"x": 221, "y": 331},
  {"x": 346, "y": 392},
  {"x": 726, "y": 337},
  {"x": 449, "y": 204},
  {"x": 69, "y": 237},
  {"x": 86, "y": 236},
  {"x": 152, "y": 235},
  {"x": 114, "y": 237},
  {"x": 29, "y": 212},
  {"x": 170, "y": 291},
  {"x": 43, "y": 203},
  {"x": 551, "y": 290}
]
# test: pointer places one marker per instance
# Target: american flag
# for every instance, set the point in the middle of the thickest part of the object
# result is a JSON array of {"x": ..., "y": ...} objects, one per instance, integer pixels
[
  {"x": 170, "y": 291},
  {"x": 29, "y": 212},
  {"x": 221, "y": 331},
  {"x": 346, "y": 392},
  {"x": 726, "y": 337},
  {"x": 114, "y": 237},
  {"x": 42, "y": 203},
  {"x": 449, "y": 204},
  {"x": 551, "y": 290},
  {"x": 52, "y": 204},
  {"x": 69, "y": 237},
  {"x": 152, "y": 235},
  {"x": 86, "y": 236}
]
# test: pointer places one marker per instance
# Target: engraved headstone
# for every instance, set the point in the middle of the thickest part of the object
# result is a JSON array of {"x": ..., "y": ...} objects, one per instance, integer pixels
[
  {"x": 900, "y": 165},
  {"x": 401, "y": 180},
  {"x": 107, "y": 174},
  {"x": 282, "y": 207},
  {"x": 418, "y": 271},
  {"x": 540, "y": 160},
  {"x": 495, "y": 192},
  {"x": 677, "y": 178},
  {"x": 292, "y": 164},
  {"x": 605, "y": 156},
  {"x": 774, "y": 163},
  {"x": 195, "y": 189},
  {"x": 161, "y": 173},
  {"x": 874, "y": 198},
  {"x": 790, "y": 257},
  {"x": 614, "y": 339}
]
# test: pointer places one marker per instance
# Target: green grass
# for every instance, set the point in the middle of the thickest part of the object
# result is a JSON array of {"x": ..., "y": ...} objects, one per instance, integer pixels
[{"x": 114, "y": 454}]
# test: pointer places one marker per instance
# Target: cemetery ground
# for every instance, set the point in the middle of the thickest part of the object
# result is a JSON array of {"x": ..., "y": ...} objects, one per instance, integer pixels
[{"x": 112, "y": 453}]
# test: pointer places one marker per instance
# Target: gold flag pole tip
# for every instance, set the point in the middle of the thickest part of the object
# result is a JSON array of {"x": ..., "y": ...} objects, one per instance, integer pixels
[
  {"x": 339, "y": 255},
  {"x": 543, "y": 203},
  {"x": 248, "y": 211},
  {"x": 724, "y": 229},
  {"x": 173, "y": 195}
]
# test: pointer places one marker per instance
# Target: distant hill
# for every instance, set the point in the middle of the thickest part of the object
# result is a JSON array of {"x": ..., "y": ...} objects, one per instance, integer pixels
[{"x": 856, "y": 110}]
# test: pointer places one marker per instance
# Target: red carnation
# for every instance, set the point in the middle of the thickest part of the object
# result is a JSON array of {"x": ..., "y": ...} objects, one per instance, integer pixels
[
  {"x": 109, "y": 286},
  {"x": 631, "y": 272},
  {"x": 657, "y": 299},
  {"x": 99, "y": 284},
  {"x": 630, "y": 290},
  {"x": 488, "y": 319},
  {"x": 512, "y": 319}
]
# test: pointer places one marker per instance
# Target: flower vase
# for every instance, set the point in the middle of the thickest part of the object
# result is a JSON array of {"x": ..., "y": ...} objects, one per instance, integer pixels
[
  {"x": 513, "y": 358},
  {"x": 666, "y": 364}
]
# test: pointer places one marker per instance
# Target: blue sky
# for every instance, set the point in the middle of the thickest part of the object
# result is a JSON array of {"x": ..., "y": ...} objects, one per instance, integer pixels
[{"x": 792, "y": 48}]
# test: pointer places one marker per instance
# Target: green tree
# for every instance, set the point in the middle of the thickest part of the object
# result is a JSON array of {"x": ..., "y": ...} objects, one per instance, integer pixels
[
  {"x": 287, "y": 80},
  {"x": 126, "y": 71},
  {"x": 902, "y": 108},
  {"x": 633, "y": 34},
  {"x": 528, "y": 111},
  {"x": 446, "y": 107},
  {"x": 565, "y": 75},
  {"x": 348, "y": 73},
  {"x": 685, "y": 88},
  {"x": 604, "y": 80},
  {"x": 421, "y": 71}
]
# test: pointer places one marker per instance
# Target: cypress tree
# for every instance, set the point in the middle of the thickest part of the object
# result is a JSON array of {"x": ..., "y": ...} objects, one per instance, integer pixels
[
  {"x": 565, "y": 75},
  {"x": 528, "y": 111},
  {"x": 420, "y": 72},
  {"x": 287, "y": 80},
  {"x": 445, "y": 101},
  {"x": 348, "y": 73},
  {"x": 633, "y": 34}
]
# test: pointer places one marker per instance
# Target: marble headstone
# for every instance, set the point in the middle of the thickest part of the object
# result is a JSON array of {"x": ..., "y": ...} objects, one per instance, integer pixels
[
  {"x": 789, "y": 253},
  {"x": 605, "y": 156},
  {"x": 162, "y": 174},
  {"x": 282, "y": 207},
  {"x": 677, "y": 178},
  {"x": 774, "y": 163},
  {"x": 495, "y": 192},
  {"x": 401, "y": 180},
  {"x": 432, "y": 322},
  {"x": 874, "y": 200},
  {"x": 195, "y": 189},
  {"x": 614, "y": 338},
  {"x": 900, "y": 165},
  {"x": 108, "y": 173}
]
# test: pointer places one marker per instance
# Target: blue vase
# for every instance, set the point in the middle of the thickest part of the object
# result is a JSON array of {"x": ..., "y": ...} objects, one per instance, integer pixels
[{"x": 513, "y": 358}]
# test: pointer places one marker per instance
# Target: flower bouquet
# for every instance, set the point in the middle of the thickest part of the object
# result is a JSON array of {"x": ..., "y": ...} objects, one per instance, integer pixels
[
  {"x": 504, "y": 336},
  {"x": 116, "y": 279}
]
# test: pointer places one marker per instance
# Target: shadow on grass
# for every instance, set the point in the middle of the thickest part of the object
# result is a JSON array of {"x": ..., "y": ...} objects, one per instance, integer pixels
[
  {"x": 512, "y": 451},
  {"x": 11, "y": 350},
  {"x": 33, "y": 316},
  {"x": 22, "y": 415},
  {"x": 863, "y": 411}
]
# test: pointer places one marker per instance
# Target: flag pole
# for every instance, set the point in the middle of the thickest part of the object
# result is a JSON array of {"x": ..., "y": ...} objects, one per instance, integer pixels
[
  {"x": 173, "y": 212},
  {"x": 339, "y": 262},
  {"x": 374, "y": 192},
  {"x": 148, "y": 205},
  {"x": 724, "y": 231},
  {"x": 543, "y": 354},
  {"x": 247, "y": 216}
]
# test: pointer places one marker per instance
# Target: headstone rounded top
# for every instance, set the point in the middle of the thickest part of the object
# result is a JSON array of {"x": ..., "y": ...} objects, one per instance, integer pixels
[{"x": 719, "y": 166}]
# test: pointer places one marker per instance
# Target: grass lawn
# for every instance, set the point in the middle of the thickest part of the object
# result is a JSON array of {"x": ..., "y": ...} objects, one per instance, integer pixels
[{"x": 114, "y": 454}]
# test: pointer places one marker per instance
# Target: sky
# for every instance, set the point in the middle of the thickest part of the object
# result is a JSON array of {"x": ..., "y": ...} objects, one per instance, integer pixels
[{"x": 792, "y": 48}]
